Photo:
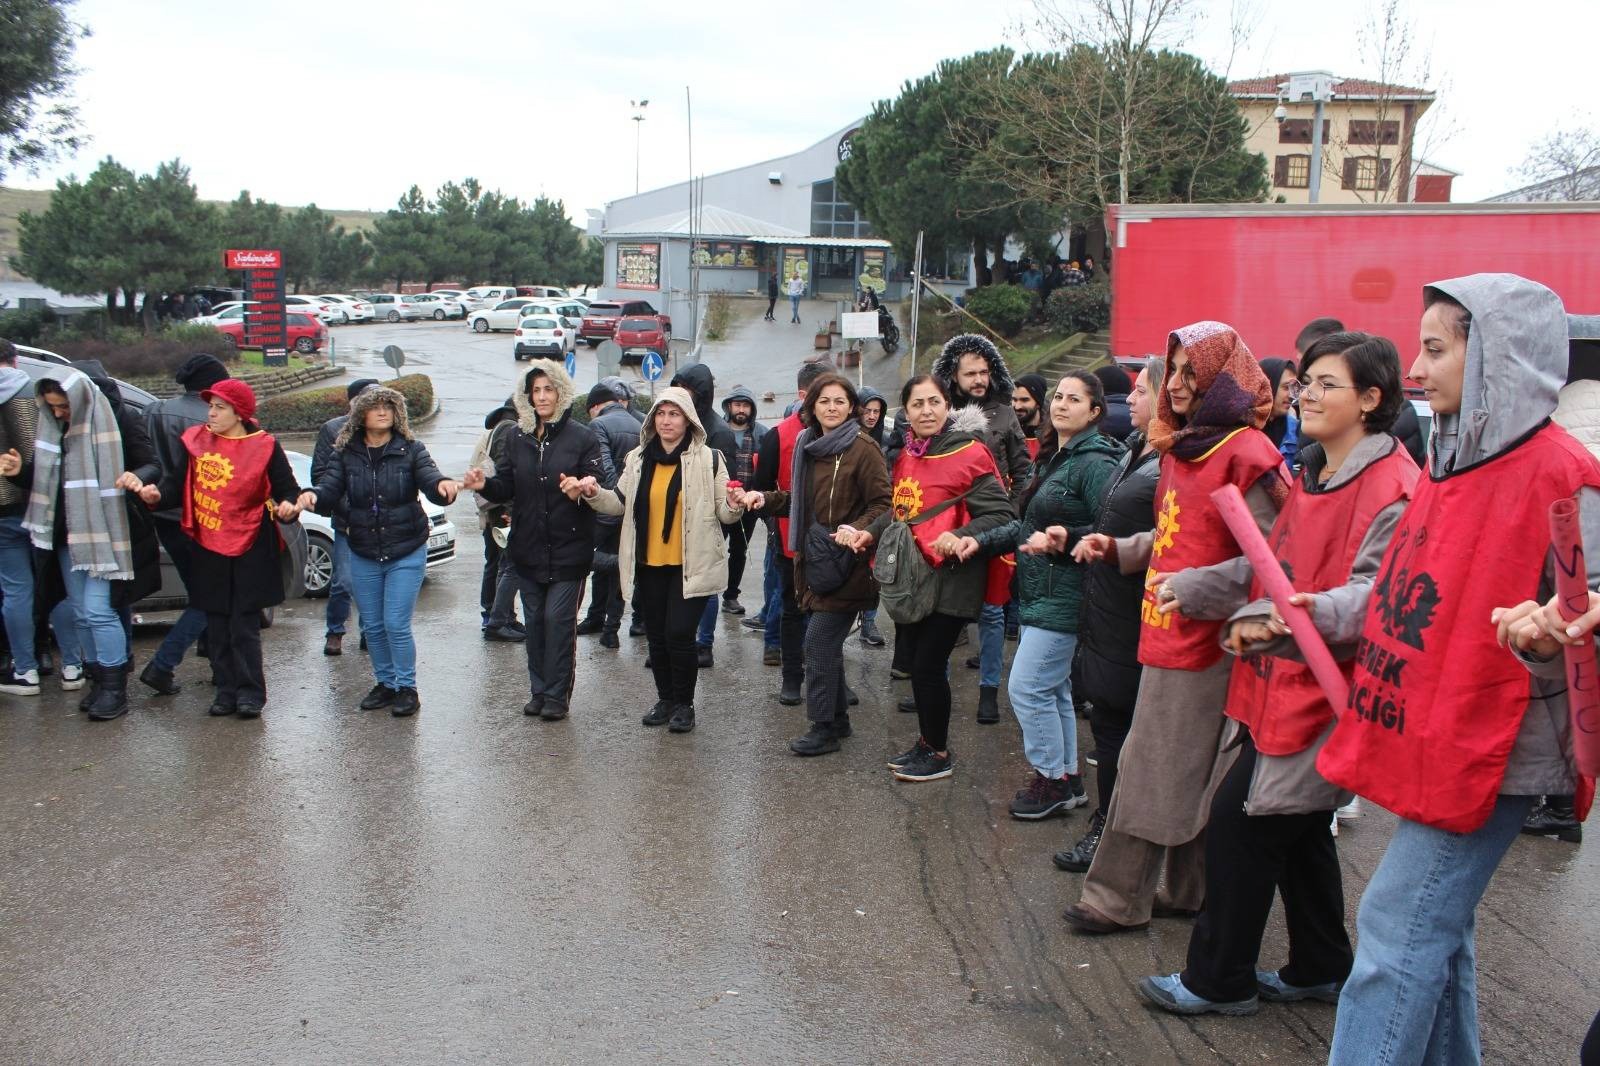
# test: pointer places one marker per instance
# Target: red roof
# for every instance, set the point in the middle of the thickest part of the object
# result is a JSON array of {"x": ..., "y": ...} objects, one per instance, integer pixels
[{"x": 1268, "y": 86}]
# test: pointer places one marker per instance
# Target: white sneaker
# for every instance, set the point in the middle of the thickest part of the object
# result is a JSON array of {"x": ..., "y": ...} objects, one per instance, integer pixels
[
  {"x": 71, "y": 678},
  {"x": 23, "y": 684},
  {"x": 1349, "y": 812}
]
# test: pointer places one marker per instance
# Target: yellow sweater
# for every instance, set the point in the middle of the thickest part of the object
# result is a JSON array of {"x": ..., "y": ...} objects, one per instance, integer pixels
[{"x": 656, "y": 551}]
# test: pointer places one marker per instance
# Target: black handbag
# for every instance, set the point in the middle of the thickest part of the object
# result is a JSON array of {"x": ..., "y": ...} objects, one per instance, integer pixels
[{"x": 827, "y": 565}]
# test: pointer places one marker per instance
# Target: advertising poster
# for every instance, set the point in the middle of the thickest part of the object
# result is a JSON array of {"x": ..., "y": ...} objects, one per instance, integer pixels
[
  {"x": 794, "y": 259},
  {"x": 874, "y": 275},
  {"x": 725, "y": 254},
  {"x": 638, "y": 266}
]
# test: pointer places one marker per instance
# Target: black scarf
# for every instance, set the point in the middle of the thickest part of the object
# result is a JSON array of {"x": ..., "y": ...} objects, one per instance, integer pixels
[{"x": 654, "y": 455}]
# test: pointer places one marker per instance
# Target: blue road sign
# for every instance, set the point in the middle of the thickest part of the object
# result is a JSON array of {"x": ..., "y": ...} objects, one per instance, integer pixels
[
  {"x": 572, "y": 364},
  {"x": 651, "y": 367}
]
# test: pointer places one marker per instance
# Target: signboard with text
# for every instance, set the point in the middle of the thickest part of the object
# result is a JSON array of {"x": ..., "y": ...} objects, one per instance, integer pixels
[
  {"x": 638, "y": 266},
  {"x": 265, "y": 320}
]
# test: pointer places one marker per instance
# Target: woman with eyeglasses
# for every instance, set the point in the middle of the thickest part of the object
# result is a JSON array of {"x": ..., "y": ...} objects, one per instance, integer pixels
[
  {"x": 1207, "y": 427},
  {"x": 1270, "y": 826}
]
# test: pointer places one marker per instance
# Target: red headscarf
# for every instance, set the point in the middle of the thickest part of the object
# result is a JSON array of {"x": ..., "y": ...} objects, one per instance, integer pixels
[{"x": 1231, "y": 390}]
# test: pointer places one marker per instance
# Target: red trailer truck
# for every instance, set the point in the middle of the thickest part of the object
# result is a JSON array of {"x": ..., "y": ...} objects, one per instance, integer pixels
[{"x": 1268, "y": 269}]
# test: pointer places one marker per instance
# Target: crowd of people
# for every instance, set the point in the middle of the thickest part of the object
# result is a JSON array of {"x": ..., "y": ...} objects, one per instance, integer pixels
[{"x": 1077, "y": 519}]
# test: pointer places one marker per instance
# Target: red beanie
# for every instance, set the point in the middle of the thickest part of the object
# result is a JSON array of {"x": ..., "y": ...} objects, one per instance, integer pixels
[{"x": 236, "y": 394}]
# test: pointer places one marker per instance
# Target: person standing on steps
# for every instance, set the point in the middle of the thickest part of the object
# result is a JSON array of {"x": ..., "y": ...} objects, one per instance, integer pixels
[
  {"x": 797, "y": 289},
  {"x": 673, "y": 498},
  {"x": 337, "y": 610},
  {"x": 839, "y": 483},
  {"x": 772, "y": 297},
  {"x": 739, "y": 412},
  {"x": 617, "y": 428},
  {"x": 374, "y": 476}
]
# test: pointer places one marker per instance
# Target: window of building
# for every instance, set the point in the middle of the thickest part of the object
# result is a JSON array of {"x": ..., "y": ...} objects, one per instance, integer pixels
[
  {"x": 834, "y": 217},
  {"x": 1298, "y": 130},
  {"x": 835, "y": 263},
  {"x": 1371, "y": 131},
  {"x": 1367, "y": 173},
  {"x": 1292, "y": 172}
]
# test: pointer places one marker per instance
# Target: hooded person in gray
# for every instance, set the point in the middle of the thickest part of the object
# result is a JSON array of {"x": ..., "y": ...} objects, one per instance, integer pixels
[{"x": 739, "y": 412}]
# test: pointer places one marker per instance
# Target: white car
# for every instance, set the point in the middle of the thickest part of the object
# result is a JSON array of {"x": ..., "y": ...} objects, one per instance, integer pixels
[
  {"x": 225, "y": 312},
  {"x": 350, "y": 308},
  {"x": 438, "y": 306},
  {"x": 545, "y": 292},
  {"x": 318, "y": 308},
  {"x": 542, "y": 335},
  {"x": 393, "y": 306},
  {"x": 319, "y": 533},
  {"x": 503, "y": 315},
  {"x": 481, "y": 296}
]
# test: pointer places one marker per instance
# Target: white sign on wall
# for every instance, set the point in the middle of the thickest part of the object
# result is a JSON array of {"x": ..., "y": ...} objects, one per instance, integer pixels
[{"x": 858, "y": 324}]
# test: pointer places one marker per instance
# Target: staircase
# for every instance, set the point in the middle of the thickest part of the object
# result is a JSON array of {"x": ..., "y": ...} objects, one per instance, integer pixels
[{"x": 1093, "y": 350}]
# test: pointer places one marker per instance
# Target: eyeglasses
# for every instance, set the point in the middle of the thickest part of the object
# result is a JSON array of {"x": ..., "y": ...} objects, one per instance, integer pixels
[{"x": 1311, "y": 390}]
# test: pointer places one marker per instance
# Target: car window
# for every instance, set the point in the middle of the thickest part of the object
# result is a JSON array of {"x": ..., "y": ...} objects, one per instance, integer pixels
[
  {"x": 636, "y": 324},
  {"x": 538, "y": 323},
  {"x": 299, "y": 320},
  {"x": 381, "y": 299},
  {"x": 605, "y": 310}
]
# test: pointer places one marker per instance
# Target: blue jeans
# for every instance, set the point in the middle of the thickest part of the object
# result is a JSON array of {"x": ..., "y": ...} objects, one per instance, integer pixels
[
  {"x": 794, "y": 309},
  {"x": 338, "y": 609},
  {"x": 386, "y": 593},
  {"x": 100, "y": 631},
  {"x": 1412, "y": 996},
  {"x": 1041, "y": 697},
  {"x": 708, "y": 624},
  {"x": 771, "y": 595},
  {"x": 64, "y": 622},
  {"x": 192, "y": 622},
  {"x": 16, "y": 581},
  {"x": 992, "y": 645}
]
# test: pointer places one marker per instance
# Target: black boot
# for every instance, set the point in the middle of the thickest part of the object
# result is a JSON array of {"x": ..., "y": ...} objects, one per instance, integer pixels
[
  {"x": 682, "y": 719},
  {"x": 1078, "y": 857},
  {"x": 819, "y": 741},
  {"x": 792, "y": 694},
  {"x": 988, "y": 705},
  {"x": 160, "y": 680},
  {"x": 91, "y": 670},
  {"x": 658, "y": 714},
  {"x": 112, "y": 699},
  {"x": 1555, "y": 818}
]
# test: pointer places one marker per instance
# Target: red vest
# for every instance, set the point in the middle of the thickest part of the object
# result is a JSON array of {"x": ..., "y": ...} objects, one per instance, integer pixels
[
  {"x": 1435, "y": 704},
  {"x": 1189, "y": 532},
  {"x": 788, "y": 432},
  {"x": 1033, "y": 447},
  {"x": 227, "y": 489},
  {"x": 1316, "y": 538},
  {"x": 921, "y": 482}
]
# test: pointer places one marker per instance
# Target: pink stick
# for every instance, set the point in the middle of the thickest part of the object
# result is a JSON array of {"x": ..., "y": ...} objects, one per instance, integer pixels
[
  {"x": 1230, "y": 504},
  {"x": 1572, "y": 598}
]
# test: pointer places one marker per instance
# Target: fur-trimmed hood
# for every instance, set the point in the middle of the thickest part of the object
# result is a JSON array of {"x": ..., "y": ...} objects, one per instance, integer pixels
[
  {"x": 527, "y": 419},
  {"x": 1000, "y": 384},
  {"x": 366, "y": 401},
  {"x": 969, "y": 419}
]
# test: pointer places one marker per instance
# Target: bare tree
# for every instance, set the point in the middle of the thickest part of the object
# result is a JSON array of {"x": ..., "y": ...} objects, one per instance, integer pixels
[{"x": 1562, "y": 161}]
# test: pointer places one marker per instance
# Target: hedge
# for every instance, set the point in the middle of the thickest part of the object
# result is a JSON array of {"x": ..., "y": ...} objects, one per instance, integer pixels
[
  {"x": 1003, "y": 307},
  {"x": 127, "y": 353},
  {"x": 1080, "y": 308},
  {"x": 306, "y": 411}
]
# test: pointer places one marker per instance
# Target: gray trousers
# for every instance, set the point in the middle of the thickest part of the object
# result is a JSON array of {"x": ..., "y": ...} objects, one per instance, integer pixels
[
  {"x": 506, "y": 584},
  {"x": 825, "y": 688},
  {"x": 550, "y": 613}
]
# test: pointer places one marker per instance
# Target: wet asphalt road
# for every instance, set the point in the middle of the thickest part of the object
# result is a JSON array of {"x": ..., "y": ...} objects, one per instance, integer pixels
[{"x": 328, "y": 886}]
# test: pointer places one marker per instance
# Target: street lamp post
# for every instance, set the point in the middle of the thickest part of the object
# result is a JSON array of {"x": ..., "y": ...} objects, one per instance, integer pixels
[
  {"x": 638, "y": 125},
  {"x": 1318, "y": 85}
]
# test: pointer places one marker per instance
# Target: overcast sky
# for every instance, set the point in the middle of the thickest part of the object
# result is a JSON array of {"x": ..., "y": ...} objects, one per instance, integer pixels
[{"x": 348, "y": 104}]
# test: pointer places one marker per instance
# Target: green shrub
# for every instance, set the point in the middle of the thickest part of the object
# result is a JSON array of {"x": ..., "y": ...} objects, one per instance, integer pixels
[
  {"x": 26, "y": 327},
  {"x": 1004, "y": 308},
  {"x": 307, "y": 410},
  {"x": 719, "y": 312},
  {"x": 1080, "y": 308},
  {"x": 128, "y": 353}
]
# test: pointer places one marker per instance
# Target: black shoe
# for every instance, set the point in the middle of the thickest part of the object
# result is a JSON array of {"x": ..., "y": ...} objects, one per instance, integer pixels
[
  {"x": 870, "y": 635},
  {"x": 636, "y": 629},
  {"x": 757, "y": 624},
  {"x": 160, "y": 680},
  {"x": 905, "y": 757},
  {"x": 649, "y": 662},
  {"x": 533, "y": 707},
  {"x": 16, "y": 684},
  {"x": 504, "y": 633},
  {"x": 112, "y": 699},
  {"x": 850, "y": 697},
  {"x": 682, "y": 719},
  {"x": 974, "y": 662},
  {"x": 926, "y": 765},
  {"x": 899, "y": 674},
  {"x": 247, "y": 709},
  {"x": 1557, "y": 820},
  {"x": 218, "y": 709},
  {"x": 406, "y": 703},
  {"x": 1013, "y": 632},
  {"x": 658, "y": 714},
  {"x": 988, "y": 705},
  {"x": 608, "y": 639},
  {"x": 380, "y": 696},
  {"x": 771, "y": 657},
  {"x": 332, "y": 644},
  {"x": 1077, "y": 858},
  {"x": 1043, "y": 797},
  {"x": 703, "y": 653},
  {"x": 790, "y": 695},
  {"x": 819, "y": 741},
  {"x": 363, "y": 642},
  {"x": 590, "y": 626},
  {"x": 732, "y": 607},
  {"x": 553, "y": 712},
  {"x": 907, "y": 705}
]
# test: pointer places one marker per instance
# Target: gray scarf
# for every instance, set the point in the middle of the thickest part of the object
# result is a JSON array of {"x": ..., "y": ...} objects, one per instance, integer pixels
[
  {"x": 812, "y": 445},
  {"x": 82, "y": 465}
]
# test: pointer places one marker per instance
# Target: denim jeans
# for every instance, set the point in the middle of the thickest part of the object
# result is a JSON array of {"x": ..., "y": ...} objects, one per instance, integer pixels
[
  {"x": 338, "y": 609},
  {"x": 1412, "y": 996},
  {"x": 386, "y": 593},
  {"x": 992, "y": 646},
  {"x": 771, "y": 594},
  {"x": 794, "y": 309},
  {"x": 100, "y": 631},
  {"x": 1041, "y": 697},
  {"x": 191, "y": 623},
  {"x": 16, "y": 580},
  {"x": 64, "y": 623},
  {"x": 707, "y": 635}
]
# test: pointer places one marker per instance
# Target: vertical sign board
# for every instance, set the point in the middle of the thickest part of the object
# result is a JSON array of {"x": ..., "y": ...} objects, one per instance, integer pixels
[{"x": 265, "y": 321}]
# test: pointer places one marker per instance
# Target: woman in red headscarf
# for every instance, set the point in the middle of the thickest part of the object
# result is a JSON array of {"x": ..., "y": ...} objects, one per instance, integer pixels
[
  {"x": 1207, "y": 427},
  {"x": 227, "y": 477}
]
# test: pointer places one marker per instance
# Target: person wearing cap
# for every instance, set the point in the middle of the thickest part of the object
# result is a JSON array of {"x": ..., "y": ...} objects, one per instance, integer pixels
[
  {"x": 166, "y": 421},
  {"x": 337, "y": 612},
  {"x": 229, "y": 467}
]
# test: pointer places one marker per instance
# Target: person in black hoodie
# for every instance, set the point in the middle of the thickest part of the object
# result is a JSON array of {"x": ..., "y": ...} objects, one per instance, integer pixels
[
  {"x": 552, "y": 536},
  {"x": 1117, "y": 423},
  {"x": 617, "y": 428},
  {"x": 772, "y": 298},
  {"x": 702, "y": 385}
]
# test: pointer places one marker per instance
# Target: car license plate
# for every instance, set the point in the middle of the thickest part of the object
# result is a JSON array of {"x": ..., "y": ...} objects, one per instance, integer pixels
[
  {"x": 438, "y": 540},
  {"x": 639, "y": 352}
]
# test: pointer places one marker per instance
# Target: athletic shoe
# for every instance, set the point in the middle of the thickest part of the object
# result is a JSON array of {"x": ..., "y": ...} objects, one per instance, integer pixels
[
  {"x": 1350, "y": 811},
  {"x": 1274, "y": 988},
  {"x": 380, "y": 696},
  {"x": 72, "y": 678},
  {"x": 658, "y": 714},
  {"x": 870, "y": 635},
  {"x": 1045, "y": 796},
  {"x": 732, "y": 607},
  {"x": 406, "y": 702},
  {"x": 820, "y": 740},
  {"x": 771, "y": 656},
  {"x": 1170, "y": 995},
  {"x": 927, "y": 765},
  {"x": 23, "y": 684},
  {"x": 909, "y": 754},
  {"x": 757, "y": 623}
]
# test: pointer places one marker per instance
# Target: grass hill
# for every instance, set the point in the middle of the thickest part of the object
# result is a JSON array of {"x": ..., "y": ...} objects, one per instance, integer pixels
[{"x": 15, "y": 201}]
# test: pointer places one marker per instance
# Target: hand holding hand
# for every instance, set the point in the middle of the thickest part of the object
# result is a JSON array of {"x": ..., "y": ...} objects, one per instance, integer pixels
[
  {"x": 449, "y": 490},
  {"x": 1037, "y": 544},
  {"x": 287, "y": 511},
  {"x": 150, "y": 494},
  {"x": 857, "y": 540},
  {"x": 755, "y": 501},
  {"x": 1247, "y": 631},
  {"x": 473, "y": 480},
  {"x": 1093, "y": 548},
  {"x": 11, "y": 463},
  {"x": 945, "y": 544},
  {"x": 128, "y": 481},
  {"x": 1166, "y": 596},
  {"x": 1058, "y": 537},
  {"x": 569, "y": 487},
  {"x": 966, "y": 548},
  {"x": 1540, "y": 629},
  {"x": 307, "y": 500}
]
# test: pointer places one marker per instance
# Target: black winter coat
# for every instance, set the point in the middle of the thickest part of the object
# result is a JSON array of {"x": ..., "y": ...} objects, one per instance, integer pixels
[
  {"x": 386, "y": 520},
  {"x": 1408, "y": 429},
  {"x": 166, "y": 421},
  {"x": 322, "y": 454},
  {"x": 698, "y": 380},
  {"x": 552, "y": 537},
  {"x": 1118, "y": 422}
]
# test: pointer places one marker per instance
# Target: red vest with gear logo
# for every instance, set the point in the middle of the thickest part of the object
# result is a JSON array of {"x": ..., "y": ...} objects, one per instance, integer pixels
[
  {"x": 922, "y": 481},
  {"x": 788, "y": 432},
  {"x": 227, "y": 489},
  {"x": 1188, "y": 533},
  {"x": 1316, "y": 538},
  {"x": 1435, "y": 703}
]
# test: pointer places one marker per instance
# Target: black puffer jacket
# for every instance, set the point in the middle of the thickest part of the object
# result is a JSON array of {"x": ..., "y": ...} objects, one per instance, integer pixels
[
  {"x": 322, "y": 454},
  {"x": 697, "y": 378},
  {"x": 386, "y": 520}
]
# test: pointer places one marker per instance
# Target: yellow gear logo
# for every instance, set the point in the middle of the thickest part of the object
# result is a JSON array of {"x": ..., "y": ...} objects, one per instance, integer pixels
[
  {"x": 907, "y": 499},
  {"x": 212, "y": 471},
  {"x": 1166, "y": 522}
]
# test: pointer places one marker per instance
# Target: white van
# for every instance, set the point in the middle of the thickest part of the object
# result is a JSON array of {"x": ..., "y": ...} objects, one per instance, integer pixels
[{"x": 481, "y": 296}]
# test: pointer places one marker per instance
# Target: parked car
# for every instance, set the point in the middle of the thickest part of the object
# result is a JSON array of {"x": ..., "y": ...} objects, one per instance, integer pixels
[
  {"x": 394, "y": 306},
  {"x": 639, "y": 335},
  {"x": 228, "y": 312},
  {"x": 571, "y": 310},
  {"x": 600, "y": 321},
  {"x": 315, "y": 306},
  {"x": 306, "y": 334},
  {"x": 503, "y": 315},
  {"x": 481, "y": 296},
  {"x": 545, "y": 292},
  {"x": 319, "y": 534},
  {"x": 354, "y": 310},
  {"x": 438, "y": 306},
  {"x": 541, "y": 335}
]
